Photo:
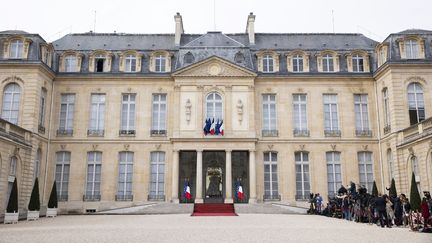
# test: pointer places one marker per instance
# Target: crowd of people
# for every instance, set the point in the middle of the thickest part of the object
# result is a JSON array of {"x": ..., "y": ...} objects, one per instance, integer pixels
[{"x": 383, "y": 210}]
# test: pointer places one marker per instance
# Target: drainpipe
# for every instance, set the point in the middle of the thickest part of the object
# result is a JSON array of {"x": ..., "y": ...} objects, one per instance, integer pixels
[
  {"x": 379, "y": 138},
  {"x": 48, "y": 143}
]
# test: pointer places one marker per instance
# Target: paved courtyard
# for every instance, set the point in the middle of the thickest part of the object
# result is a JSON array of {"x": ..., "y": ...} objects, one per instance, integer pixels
[{"x": 183, "y": 228}]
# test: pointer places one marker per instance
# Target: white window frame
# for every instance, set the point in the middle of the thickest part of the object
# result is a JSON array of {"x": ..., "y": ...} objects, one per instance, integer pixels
[
  {"x": 357, "y": 67},
  {"x": 272, "y": 160},
  {"x": 333, "y": 108},
  {"x": 361, "y": 110},
  {"x": 328, "y": 59},
  {"x": 160, "y": 160},
  {"x": 67, "y": 101},
  {"x": 160, "y": 63},
  {"x": 363, "y": 164},
  {"x": 70, "y": 63},
  {"x": 302, "y": 163},
  {"x": 129, "y": 112},
  {"x": 97, "y": 107},
  {"x": 130, "y": 63},
  {"x": 267, "y": 104},
  {"x": 298, "y": 62},
  {"x": 93, "y": 183},
  {"x": 12, "y": 90},
  {"x": 333, "y": 187},
  {"x": 417, "y": 92},
  {"x": 298, "y": 105},
  {"x": 214, "y": 99},
  {"x": 63, "y": 161},
  {"x": 126, "y": 162},
  {"x": 159, "y": 121},
  {"x": 411, "y": 49},
  {"x": 268, "y": 63},
  {"x": 16, "y": 48}
]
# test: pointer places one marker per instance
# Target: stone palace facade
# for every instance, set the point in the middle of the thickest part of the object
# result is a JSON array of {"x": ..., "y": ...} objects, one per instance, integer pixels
[{"x": 122, "y": 119}]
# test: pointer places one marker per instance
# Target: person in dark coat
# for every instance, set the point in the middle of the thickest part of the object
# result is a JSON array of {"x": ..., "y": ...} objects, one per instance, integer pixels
[
  {"x": 380, "y": 205},
  {"x": 398, "y": 211},
  {"x": 425, "y": 211}
]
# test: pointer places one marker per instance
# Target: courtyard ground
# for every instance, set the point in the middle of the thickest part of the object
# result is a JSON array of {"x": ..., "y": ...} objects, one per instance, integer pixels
[{"x": 184, "y": 228}]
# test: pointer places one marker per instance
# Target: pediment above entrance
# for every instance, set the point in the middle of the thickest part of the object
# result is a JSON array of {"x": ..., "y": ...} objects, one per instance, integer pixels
[{"x": 214, "y": 67}]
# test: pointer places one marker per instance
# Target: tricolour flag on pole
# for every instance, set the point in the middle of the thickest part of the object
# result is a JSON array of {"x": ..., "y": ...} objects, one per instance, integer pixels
[
  {"x": 186, "y": 191},
  {"x": 239, "y": 190},
  {"x": 212, "y": 127}
]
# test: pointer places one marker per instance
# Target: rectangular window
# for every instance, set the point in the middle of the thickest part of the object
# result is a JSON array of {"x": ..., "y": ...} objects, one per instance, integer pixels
[
  {"x": 302, "y": 175},
  {"x": 300, "y": 115},
  {"x": 131, "y": 63},
  {"x": 62, "y": 175},
  {"x": 70, "y": 64},
  {"x": 159, "y": 114},
  {"x": 16, "y": 49},
  {"x": 386, "y": 108},
  {"x": 160, "y": 64},
  {"x": 94, "y": 167},
  {"x": 42, "y": 105},
  {"x": 97, "y": 114},
  {"x": 361, "y": 114},
  {"x": 124, "y": 189},
  {"x": 157, "y": 178},
  {"x": 128, "y": 114},
  {"x": 357, "y": 62},
  {"x": 268, "y": 64},
  {"x": 99, "y": 63},
  {"x": 366, "y": 169},
  {"x": 334, "y": 174},
  {"x": 328, "y": 65},
  {"x": 269, "y": 115},
  {"x": 270, "y": 176},
  {"x": 67, "y": 107},
  {"x": 411, "y": 49},
  {"x": 297, "y": 63},
  {"x": 331, "y": 117}
]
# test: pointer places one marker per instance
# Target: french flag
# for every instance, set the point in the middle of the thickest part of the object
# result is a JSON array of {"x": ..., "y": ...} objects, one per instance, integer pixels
[
  {"x": 213, "y": 127},
  {"x": 187, "y": 191},
  {"x": 240, "y": 192}
]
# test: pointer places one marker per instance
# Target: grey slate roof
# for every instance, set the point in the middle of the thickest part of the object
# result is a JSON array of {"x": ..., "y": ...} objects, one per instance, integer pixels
[{"x": 214, "y": 39}]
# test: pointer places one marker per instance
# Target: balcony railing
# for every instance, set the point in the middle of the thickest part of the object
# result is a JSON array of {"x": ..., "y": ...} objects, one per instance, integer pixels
[
  {"x": 14, "y": 132},
  {"x": 416, "y": 131},
  {"x": 363, "y": 133},
  {"x": 272, "y": 197},
  {"x": 96, "y": 197},
  {"x": 95, "y": 133},
  {"x": 64, "y": 132},
  {"x": 332, "y": 133},
  {"x": 127, "y": 132},
  {"x": 156, "y": 197},
  {"x": 158, "y": 132},
  {"x": 270, "y": 133},
  {"x": 301, "y": 133},
  {"x": 124, "y": 197}
]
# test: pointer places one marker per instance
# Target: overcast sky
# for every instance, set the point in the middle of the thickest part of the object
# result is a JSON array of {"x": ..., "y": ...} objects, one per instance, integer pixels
[{"x": 374, "y": 18}]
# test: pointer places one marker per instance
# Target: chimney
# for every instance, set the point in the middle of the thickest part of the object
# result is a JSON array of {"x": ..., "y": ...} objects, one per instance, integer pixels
[
  {"x": 250, "y": 28},
  {"x": 178, "y": 28}
]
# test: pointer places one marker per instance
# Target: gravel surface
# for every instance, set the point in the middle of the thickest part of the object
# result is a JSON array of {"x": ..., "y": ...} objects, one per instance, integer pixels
[{"x": 184, "y": 228}]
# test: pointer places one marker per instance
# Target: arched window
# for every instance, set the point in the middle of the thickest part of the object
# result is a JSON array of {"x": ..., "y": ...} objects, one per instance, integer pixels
[
  {"x": 11, "y": 102},
  {"x": 130, "y": 63},
  {"x": 415, "y": 103},
  {"x": 16, "y": 49},
  {"x": 12, "y": 173},
  {"x": 386, "y": 110},
  {"x": 188, "y": 58},
  {"x": 390, "y": 163},
  {"x": 366, "y": 169},
  {"x": 297, "y": 63},
  {"x": 160, "y": 64},
  {"x": 268, "y": 65},
  {"x": 270, "y": 176},
  {"x": 62, "y": 174},
  {"x": 334, "y": 173},
  {"x": 94, "y": 168},
  {"x": 157, "y": 178},
  {"x": 124, "y": 189},
  {"x": 36, "y": 170},
  {"x": 302, "y": 175},
  {"x": 214, "y": 106},
  {"x": 328, "y": 63},
  {"x": 357, "y": 63}
]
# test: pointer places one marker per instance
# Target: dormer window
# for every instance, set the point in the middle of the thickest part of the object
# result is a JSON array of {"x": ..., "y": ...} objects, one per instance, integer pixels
[
  {"x": 188, "y": 58},
  {"x": 46, "y": 53},
  {"x": 130, "y": 63},
  {"x": 411, "y": 49},
  {"x": 297, "y": 61},
  {"x": 70, "y": 63},
  {"x": 357, "y": 62},
  {"x": 160, "y": 64},
  {"x": 100, "y": 61},
  {"x": 16, "y": 49},
  {"x": 268, "y": 64},
  {"x": 327, "y": 62},
  {"x": 239, "y": 57}
]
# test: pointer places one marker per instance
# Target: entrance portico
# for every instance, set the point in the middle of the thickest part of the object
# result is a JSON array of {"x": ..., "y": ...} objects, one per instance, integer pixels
[{"x": 213, "y": 175}]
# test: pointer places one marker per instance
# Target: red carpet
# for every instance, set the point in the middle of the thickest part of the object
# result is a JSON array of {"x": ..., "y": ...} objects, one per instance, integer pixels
[{"x": 213, "y": 209}]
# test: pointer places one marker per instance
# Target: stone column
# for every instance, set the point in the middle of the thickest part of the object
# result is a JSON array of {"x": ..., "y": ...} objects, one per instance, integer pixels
[
  {"x": 199, "y": 178},
  {"x": 175, "y": 177},
  {"x": 252, "y": 177},
  {"x": 228, "y": 178}
]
